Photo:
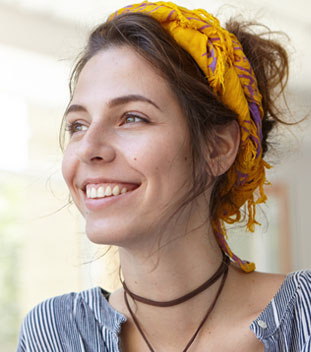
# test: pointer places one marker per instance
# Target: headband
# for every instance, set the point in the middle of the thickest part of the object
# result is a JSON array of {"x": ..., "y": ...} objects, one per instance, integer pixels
[{"x": 220, "y": 56}]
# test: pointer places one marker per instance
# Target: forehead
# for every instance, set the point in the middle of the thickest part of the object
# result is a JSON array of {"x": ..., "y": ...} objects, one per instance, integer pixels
[{"x": 120, "y": 71}]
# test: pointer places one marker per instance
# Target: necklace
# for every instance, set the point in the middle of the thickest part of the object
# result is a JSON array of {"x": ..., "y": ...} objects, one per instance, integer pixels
[{"x": 221, "y": 271}]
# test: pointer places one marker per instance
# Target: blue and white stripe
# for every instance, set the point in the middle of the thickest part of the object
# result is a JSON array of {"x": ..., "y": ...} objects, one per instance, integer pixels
[
  {"x": 79, "y": 322},
  {"x": 85, "y": 322},
  {"x": 287, "y": 318}
]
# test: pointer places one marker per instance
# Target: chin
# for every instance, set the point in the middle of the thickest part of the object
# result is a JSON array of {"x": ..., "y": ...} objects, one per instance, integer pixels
[
  {"x": 104, "y": 234},
  {"x": 101, "y": 236}
]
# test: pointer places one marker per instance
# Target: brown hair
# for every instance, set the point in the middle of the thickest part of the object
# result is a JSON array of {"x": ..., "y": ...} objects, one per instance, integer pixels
[{"x": 202, "y": 109}]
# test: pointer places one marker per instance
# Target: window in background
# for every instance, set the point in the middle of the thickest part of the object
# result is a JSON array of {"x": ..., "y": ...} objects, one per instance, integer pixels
[{"x": 270, "y": 245}]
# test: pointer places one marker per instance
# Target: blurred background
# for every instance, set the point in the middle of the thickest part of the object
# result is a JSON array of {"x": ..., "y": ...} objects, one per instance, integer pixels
[{"x": 43, "y": 248}]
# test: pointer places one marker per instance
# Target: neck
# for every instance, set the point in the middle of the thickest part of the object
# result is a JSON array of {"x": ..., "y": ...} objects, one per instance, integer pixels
[
  {"x": 174, "y": 269},
  {"x": 167, "y": 271}
]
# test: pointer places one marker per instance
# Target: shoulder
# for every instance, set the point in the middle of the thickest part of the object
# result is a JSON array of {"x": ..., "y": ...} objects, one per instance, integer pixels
[
  {"x": 62, "y": 321},
  {"x": 286, "y": 321},
  {"x": 46, "y": 324},
  {"x": 294, "y": 294},
  {"x": 252, "y": 292},
  {"x": 59, "y": 308}
]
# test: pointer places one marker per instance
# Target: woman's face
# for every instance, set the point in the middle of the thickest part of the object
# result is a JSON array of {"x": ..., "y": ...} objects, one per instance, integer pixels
[{"x": 128, "y": 137}]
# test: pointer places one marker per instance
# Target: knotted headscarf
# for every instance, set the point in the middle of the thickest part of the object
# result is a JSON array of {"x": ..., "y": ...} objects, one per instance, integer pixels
[{"x": 220, "y": 56}]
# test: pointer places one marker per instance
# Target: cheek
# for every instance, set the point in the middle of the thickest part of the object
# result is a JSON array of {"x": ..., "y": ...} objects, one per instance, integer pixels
[
  {"x": 162, "y": 159},
  {"x": 68, "y": 167}
]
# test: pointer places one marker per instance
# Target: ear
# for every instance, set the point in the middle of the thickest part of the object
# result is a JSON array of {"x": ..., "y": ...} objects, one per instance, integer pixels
[{"x": 224, "y": 148}]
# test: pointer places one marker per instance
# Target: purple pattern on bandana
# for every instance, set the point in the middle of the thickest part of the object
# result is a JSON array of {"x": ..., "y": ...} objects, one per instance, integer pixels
[
  {"x": 127, "y": 10},
  {"x": 258, "y": 145},
  {"x": 212, "y": 54},
  {"x": 242, "y": 178},
  {"x": 245, "y": 129},
  {"x": 251, "y": 81},
  {"x": 206, "y": 26},
  {"x": 249, "y": 87},
  {"x": 253, "y": 108},
  {"x": 154, "y": 9},
  {"x": 142, "y": 6},
  {"x": 170, "y": 15},
  {"x": 250, "y": 71},
  {"x": 251, "y": 91},
  {"x": 237, "y": 45},
  {"x": 197, "y": 19},
  {"x": 237, "y": 59}
]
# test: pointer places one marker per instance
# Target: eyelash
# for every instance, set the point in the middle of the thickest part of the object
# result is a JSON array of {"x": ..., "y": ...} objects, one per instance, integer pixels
[
  {"x": 133, "y": 115},
  {"x": 71, "y": 127}
]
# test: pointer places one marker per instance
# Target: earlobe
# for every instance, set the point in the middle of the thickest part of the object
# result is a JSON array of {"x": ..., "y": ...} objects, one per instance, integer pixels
[{"x": 224, "y": 148}]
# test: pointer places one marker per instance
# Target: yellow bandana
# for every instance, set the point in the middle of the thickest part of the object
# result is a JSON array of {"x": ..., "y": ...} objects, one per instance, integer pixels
[{"x": 220, "y": 56}]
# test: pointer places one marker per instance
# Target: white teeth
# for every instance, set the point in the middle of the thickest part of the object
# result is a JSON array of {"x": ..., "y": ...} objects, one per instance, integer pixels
[
  {"x": 88, "y": 192},
  {"x": 116, "y": 190},
  {"x": 108, "y": 191},
  {"x": 101, "y": 192},
  {"x": 93, "y": 193}
]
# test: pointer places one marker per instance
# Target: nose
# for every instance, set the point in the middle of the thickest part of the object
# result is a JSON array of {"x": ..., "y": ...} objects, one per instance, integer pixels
[{"x": 95, "y": 147}]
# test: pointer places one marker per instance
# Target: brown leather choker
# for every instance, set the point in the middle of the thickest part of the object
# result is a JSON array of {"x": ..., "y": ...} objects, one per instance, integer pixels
[{"x": 221, "y": 271}]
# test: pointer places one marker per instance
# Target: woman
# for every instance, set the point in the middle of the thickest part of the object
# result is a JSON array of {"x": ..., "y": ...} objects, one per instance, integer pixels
[{"x": 168, "y": 125}]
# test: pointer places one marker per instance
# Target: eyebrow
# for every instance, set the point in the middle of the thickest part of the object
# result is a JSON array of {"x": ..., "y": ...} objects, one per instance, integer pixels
[
  {"x": 75, "y": 108},
  {"x": 129, "y": 98},
  {"x": 114, "y": 102}
]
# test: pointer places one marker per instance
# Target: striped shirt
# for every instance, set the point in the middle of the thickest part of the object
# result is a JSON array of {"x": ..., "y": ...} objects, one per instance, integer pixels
[{"x": 86, "y": 322}]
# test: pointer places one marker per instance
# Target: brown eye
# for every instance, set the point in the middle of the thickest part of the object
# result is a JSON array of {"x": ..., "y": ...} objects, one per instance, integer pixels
[
  {"x": 75, "y": 127},
  {"x": 133, "y": 118}
]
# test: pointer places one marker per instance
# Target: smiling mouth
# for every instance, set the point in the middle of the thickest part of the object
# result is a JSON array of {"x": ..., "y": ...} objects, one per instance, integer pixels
[{"x": 99, "y": 191}]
